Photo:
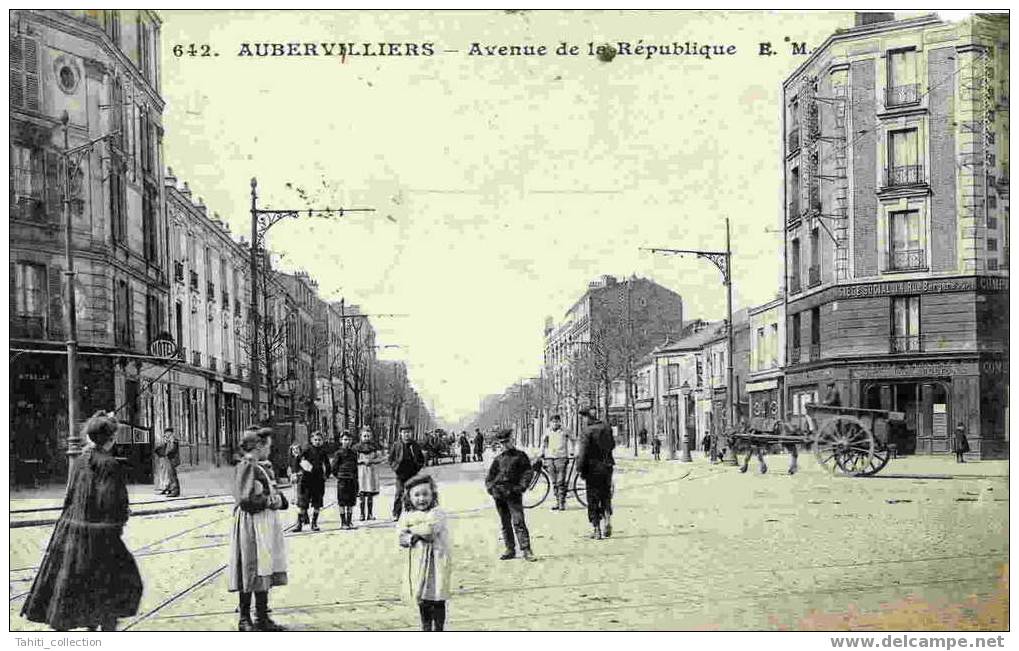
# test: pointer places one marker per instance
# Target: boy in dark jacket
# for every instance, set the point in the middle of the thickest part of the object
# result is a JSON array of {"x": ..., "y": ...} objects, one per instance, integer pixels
[
  {"x": 508, "y": 478},
  {"x": 312, "y": 470},
  {"x": 345, "y": 469}
]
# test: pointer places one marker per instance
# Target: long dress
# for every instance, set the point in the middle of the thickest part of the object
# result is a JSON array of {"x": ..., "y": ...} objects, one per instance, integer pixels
[
  {"x": 87, "y": 573},
  {"x": 160, "y": 468},
  {"x": 429, "y": 563},
  {"x": 368, "y": 459},
  {"x": 258, "y": 553}
]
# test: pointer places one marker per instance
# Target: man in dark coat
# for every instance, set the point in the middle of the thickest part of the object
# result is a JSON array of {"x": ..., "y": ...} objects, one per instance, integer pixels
[
  {"x": 595, "y": 465},
  {"x": 479, "y": 445},
  {"x": 465, "y": 448},
  {"x": 960, "y": 445},
  {"x": 508, "y": 477},
  {"x": 406, "y": 459}
]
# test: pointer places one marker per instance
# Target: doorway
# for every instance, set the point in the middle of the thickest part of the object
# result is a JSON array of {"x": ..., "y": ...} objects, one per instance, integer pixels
[{"x": 927, "y": 414}]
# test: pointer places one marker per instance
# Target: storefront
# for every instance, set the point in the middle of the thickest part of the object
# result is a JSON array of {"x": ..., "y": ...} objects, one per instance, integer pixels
[{"x": 765, "y": 403}]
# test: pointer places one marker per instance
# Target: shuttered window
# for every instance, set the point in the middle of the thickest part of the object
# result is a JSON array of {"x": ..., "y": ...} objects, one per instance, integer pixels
[
  {"x": 27, "y": 182},
  {"x": 118, "y": 221},
  {"x": 24, "y": 69},
  {"x": 123, "y": 326}
]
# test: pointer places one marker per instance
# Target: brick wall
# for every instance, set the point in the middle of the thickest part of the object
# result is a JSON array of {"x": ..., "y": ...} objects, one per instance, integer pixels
[
  {"x": 864, "y": 163},
  {"x": 944, "y": 227}
]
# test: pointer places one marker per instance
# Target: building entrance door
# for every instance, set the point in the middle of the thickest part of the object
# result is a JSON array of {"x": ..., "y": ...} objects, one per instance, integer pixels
[{"x": 925, "y": 406}]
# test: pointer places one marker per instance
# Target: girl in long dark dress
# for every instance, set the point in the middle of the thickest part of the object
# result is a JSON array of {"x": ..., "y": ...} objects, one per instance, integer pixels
[{"x": 88, "y": 578}]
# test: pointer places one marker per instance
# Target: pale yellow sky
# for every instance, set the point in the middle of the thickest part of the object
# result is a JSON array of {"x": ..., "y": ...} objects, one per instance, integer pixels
[{"x": 502, "y": 185}]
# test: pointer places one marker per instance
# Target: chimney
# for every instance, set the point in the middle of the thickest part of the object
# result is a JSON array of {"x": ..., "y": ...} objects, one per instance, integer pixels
[
  {"x": 872, "y": 17},
  {"x": 170, "y": 178},
  {"x": 186, "y": 191}
]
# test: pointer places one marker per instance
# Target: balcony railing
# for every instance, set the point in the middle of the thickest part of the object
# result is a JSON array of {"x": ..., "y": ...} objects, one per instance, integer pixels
[
  {"x": 814, "y": 276},
  {"x": 178, "y": 272},
  {"x": 794, "y": 355},
  {"x": 902, "y": 95},
  {"x": 212, "y": 363},
  {"x": 900, "y": 175},
  {"x": 794, "y": 285},
  {"x": 906, "y": 343},
  {"x": 815, "y": 352},
  {"x": 194, "y": 281},
  {"x": 794, "y": 139},
  {"x": 196, "y": 358},
  {"x": 908, "y": 259}
]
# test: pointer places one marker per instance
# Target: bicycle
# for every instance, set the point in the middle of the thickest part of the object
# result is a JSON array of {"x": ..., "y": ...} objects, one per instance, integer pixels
[{"x": 541, "y": 484}]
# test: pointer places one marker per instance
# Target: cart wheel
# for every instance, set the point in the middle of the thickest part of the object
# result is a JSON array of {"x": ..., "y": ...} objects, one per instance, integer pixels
[
  {"x": 844, "y": 445},
  {"x": 878, "y": 461}
]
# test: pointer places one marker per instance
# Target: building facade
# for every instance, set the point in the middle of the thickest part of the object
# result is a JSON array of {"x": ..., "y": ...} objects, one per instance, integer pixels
[
  {"x": 896, "y": 178},
  {"x": 77, "y": 77},
  {"x": 209, "y": 397},
  {"x": 765, "y": 373}
]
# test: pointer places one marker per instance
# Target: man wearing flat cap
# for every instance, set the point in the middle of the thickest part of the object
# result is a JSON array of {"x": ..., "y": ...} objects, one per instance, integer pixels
[
  {"x": 406, "y": 459},
  {"x": 508, "y": 477},
  {"x": 595, "y": 465}
]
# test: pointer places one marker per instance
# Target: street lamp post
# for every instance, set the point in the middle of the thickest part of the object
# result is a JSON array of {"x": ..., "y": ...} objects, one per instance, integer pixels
[
  {"x": 687, "y": 393},
  {"x": 723, "y": 261}
]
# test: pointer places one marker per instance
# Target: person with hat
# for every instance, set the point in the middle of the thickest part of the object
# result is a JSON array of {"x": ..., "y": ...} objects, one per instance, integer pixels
[
  {"x": 832, "y": 397},
  {"x": 960, "y": 444},
  {"x": 479, "y": 445},
  {"x": 595, "y": 465},
  {"x": 167, "y": 455},
  {"x": 406, "y": 459},
  {"x": 557, "y": 445},
  {"x": 508, "y": 477}
]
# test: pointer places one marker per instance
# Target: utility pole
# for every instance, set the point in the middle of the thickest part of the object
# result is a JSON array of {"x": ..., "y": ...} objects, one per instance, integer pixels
[
  {"x": 261, "y": 222},
  {"x": 343, "y": 364},
  {"x": 723, "y": 261}
]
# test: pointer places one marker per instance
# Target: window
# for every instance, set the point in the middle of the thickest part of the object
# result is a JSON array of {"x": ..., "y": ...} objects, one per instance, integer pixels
[
  {"x": 907, "y": 250},
  {"x": 672, "y": 375},
  {"x": 150, "y": 225},
  {"x": 117, "y": 113},
  {"x": 154, "y": 316},
  {"x": 762, "y": 350},
  {"x": 905, "y": 324},
  {"x": 700, "y": 372},
  {"x": 795, "y": 332},
  {"x": 992, "y": 244},
  {"x": 774, "y": 345},
  {"x": 24, "y": 73},
  {"x": 179, "y": 322},
  {"x": 815, "y": 333},
  {"x": 123, "y": 326},
  {"x": 112, "y": 25},
  {"x": 794, "y": 266},
  {"x": 145, "y": 49},
  {"x": 814, "y": 272},
  {"x": 27, "y": 182},
  {"x": 146, "y": 142},
  {"x": 28, "y": 293},
  {"x": 903, "y": 159},
  {"x": 902, "y": 85},
  {"x": 118, "y": 211},
  {"x": 794, "y": 193}
]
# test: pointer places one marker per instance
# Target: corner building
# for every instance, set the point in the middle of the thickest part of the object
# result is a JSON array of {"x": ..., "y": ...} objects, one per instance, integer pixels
[{"x": 896, "y": 175}]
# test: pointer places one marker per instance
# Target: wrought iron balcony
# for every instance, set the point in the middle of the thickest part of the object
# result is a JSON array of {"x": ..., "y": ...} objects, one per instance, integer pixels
[
  {"x": 794, "y": 285},
  {"x": 906, "y": 343},
  {"x": 794, "y": 139},
  {"x": 814, "y": 276},
  {"x": 196, "y": 358},
  {"x": 902, "y": 95},
  {"x": 178, "y": 272},
  {"x": 815, "y": 352},
  {"x": 794, "y": 355},
  {"x": 907, "y": 259},
  {"x": 900, "y": 175},
  {"x": 212, "y": 363}
]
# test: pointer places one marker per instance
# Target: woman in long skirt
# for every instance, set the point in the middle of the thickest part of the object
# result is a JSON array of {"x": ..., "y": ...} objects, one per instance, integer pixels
[
  {"x": 258, "y": 554},
  {"x": 88, "y": 578}
]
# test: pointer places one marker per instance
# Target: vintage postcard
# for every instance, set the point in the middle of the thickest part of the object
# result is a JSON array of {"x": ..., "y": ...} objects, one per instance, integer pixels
[{"x": 510, "y": 320}]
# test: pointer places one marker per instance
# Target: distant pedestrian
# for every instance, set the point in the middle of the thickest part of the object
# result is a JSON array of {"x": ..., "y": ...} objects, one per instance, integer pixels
[
  {"x": 643, "y": 436},
  {"x": 557, "y": 445},
  {"x": 258, "y": 553},
  {"x": 656, "y": 447},
  {"x": 508, "y": 478},
  {"x": 706, "y": 443},
  {"x": 369, "y": 456},
  {"x": 313, "y": 469},
  {"x": 87, "y": 577},
  {"x": 595, "y": 465},
  {"x": 465, "y": 448},
  {"x": 424, "y": 532},
  {"x": 960, "y": 444},
  {"x": 345, "y": 468},
  {"x": 406, "y": 459},
  {"x": 167, "y": 458},
  {"x": 479, "y": 445}
]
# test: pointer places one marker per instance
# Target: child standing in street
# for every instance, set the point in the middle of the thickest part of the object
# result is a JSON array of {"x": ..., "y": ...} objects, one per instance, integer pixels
[
  {"x": 368, "y": 458},
  {"x": 314, "y": 468},
  {"x": 508, "y": 478},
  {"x": 423, "y": 531},
  {"x": 345, "y": 469},
  {"x": 258, "y": 554}
]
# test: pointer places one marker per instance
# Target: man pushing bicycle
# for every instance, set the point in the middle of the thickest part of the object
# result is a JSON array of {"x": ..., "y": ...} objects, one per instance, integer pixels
[{"x": 556, "y": 446}]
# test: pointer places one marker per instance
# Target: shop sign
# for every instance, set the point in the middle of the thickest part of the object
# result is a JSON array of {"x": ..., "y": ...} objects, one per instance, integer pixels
[{"x": 923, "y": 369}]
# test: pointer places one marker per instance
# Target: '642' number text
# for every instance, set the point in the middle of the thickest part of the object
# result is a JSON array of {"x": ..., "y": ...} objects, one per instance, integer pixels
[{"x": 192, "y": 50}]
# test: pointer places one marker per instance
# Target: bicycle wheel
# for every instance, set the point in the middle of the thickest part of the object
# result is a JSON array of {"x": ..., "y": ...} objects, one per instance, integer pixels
[
  {"x": 580, "y": 489},
  {"x": 538, "y": 490}
]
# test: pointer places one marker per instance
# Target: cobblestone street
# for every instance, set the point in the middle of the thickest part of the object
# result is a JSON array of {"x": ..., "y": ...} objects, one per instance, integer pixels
[{"x": 695, "y": 547}]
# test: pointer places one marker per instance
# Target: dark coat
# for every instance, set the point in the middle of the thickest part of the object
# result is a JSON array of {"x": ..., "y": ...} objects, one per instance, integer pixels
[
  {"x": 961, "y": 443},
  {"x": 595, "y": 449},
  {"x": 465, "y": 445},
  {"x": 479, "y": 442},
  {"x": 345, "y": 463},
  {"x": 406, "y": 459},
  {"x": 510, "y": 473},
  {"x": 87, "y": 572},
  {"x": 320, "y": 469}
]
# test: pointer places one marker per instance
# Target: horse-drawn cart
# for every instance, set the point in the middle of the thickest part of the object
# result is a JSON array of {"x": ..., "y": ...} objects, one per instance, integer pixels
[{"x": 845, "y": 440}]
